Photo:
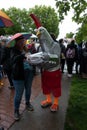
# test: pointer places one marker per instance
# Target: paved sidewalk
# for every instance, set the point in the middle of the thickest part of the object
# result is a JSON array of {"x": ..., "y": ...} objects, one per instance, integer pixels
[
  {"x": 43, "y": 119},
  {"x": 6, "y": 102}
]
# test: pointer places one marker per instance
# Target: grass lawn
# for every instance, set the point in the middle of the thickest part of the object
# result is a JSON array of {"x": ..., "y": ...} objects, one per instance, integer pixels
[{"x": 76, "y": 116}]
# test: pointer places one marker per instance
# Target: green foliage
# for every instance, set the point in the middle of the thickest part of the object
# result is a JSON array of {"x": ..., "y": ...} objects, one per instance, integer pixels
[
  {"x": 79, "y": 7},
  {"x": 69, "y": 35},
  {"x": 82, "y": 31},
  {"x": 23, "y": 22},
  {"x": 20, "y": 18},
  {"x": 48, "y": 18},
  {"x": 63, "y": 8},
  {"x": 2, "y": 31},
  {"x": 76, "y": 118}
]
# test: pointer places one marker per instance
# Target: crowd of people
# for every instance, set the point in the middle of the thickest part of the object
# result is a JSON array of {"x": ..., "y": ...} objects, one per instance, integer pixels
[
  {"x": 20, "y": 74},
  {"x": 74, "y": 58}
]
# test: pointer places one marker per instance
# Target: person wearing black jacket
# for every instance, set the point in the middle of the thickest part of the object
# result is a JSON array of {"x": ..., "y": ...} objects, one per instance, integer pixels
[
  {"x": 22, "y": 76},
  {"x": 62, "y": 57},
  {"x": 84, "y": 61},
  {"x": 1, "y": 74},
  {"x": 5, "y": 61},
  {"x": 71, "y": 56}
]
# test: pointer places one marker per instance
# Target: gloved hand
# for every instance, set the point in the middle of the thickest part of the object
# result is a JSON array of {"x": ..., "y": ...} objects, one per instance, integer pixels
[{"x": 46, "y": 56}]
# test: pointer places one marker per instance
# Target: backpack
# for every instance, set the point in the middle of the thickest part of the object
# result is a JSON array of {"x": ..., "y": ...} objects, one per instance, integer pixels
[{"x": 70, "y": 53}]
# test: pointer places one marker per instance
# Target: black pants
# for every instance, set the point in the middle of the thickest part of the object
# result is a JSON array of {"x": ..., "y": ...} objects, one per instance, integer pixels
[
  {"x": 8, "y": 72},
  {"x": 62, "y": 64},
  {"x": 70, "y": 64}
]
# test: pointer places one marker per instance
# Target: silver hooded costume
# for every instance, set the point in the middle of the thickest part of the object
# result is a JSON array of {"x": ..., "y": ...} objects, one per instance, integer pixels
[{"x": 49, "y": 57}]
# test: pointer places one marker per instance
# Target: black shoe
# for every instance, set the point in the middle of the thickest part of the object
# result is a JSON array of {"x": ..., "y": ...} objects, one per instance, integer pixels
[
  {"x": 29, "y": 107},
  {"x": 16, "y": 115}
]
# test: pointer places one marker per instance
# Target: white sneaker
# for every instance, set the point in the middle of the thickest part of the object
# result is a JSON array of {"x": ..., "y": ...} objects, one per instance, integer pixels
[{"x": 69, "y": 75}]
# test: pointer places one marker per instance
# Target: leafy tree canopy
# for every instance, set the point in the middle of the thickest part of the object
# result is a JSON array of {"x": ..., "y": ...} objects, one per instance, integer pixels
[
  {"x": 81, "y": 35},
  {"x": 69, "y": 35},
  {"x": 79, "y": 7},
  {"x": 23, "y": 22},
  {"x": 48, "y": 18}
]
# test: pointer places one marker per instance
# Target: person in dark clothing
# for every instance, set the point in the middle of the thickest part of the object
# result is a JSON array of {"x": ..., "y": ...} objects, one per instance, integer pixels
[
  {"x": 78, "y": 66},
  {"x": 1, "y": 83},
  {"x": 0, "y": 52},
  {"x": 62, "y": 57},
  {"x": 1, "y": 77},
  {"x": 5, "y": 61},
  {"x": 71, "y": 56},
  {"x": 22, "y": 76},
  {"x": 84, "y": 61}
]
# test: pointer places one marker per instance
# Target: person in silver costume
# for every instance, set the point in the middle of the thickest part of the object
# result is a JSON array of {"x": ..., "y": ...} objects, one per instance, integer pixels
[{"x": 50, "y": 64}]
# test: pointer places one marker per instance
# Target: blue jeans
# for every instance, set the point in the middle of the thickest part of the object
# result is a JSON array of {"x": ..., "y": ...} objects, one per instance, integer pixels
[{"x": 20, "y": 86}]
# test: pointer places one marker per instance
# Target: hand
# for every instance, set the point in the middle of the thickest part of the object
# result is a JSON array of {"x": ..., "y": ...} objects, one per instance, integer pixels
[
  {"x": 45, "y": 56},
  {"x": 27, "y": 57}
]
